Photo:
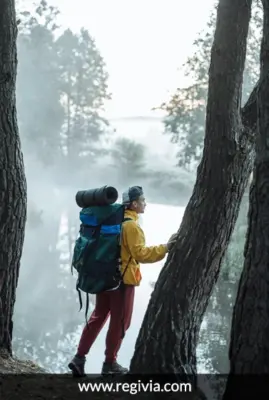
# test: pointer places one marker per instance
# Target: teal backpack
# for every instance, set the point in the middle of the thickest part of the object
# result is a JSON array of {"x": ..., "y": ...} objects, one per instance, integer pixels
[{"x": 96, "y": 255}]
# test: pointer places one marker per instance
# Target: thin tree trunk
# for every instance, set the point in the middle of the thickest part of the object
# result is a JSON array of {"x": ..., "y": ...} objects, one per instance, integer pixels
[
  {"x": 12, "y": 177},
  {"x": 168, "y": 337},
  {"x": 249, "y": 347}
]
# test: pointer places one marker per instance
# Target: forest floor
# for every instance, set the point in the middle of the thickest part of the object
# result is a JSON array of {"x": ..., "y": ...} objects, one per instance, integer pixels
[{"x": 24, "y": 380}]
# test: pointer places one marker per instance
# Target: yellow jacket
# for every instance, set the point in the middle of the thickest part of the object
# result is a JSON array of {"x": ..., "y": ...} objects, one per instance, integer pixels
[{"x": 133, "y": 249}]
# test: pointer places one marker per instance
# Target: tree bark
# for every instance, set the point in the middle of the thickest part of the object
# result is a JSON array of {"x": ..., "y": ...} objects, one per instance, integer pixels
[
  {"x": 168, "y": 337},
  {"x": 12, "y": 176},
  {"x": 249, "y": 345}
]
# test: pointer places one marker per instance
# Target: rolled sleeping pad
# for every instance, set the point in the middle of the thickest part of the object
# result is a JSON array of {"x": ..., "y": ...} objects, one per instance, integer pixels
[{"x": 97, "y": 197}]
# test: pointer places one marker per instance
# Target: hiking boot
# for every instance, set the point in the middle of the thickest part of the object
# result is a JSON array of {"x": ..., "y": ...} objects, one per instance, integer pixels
[
  {"x": 113, "y": 368},
  {"x": 77, "y": 366}
]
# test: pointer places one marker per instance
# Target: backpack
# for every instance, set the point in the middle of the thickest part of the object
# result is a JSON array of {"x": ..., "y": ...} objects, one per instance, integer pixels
[{"x": 96, "y": 255}]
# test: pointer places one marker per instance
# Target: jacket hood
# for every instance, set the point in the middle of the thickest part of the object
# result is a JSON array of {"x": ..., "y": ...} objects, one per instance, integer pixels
[{"x": 131, "y": 214}]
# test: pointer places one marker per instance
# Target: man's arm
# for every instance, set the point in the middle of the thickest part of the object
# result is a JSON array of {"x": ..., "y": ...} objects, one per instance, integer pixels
[{"x": 135, "y": 240}]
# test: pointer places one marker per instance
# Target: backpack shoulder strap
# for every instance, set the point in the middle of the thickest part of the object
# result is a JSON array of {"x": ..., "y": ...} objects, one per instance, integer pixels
[
  {"x": 124, "y": 220},
  {"x": 127, "y": 219}
]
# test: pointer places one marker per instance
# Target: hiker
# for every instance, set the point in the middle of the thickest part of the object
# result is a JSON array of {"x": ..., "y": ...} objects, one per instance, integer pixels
[{"x": 119, "y": 303}]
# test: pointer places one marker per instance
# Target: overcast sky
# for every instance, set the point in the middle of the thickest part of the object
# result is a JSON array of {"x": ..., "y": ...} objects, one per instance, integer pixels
[{"x": 143, "y": 42}]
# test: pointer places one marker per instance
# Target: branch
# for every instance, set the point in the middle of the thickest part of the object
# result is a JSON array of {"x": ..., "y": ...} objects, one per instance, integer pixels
[{"x": 249, "y": 112}]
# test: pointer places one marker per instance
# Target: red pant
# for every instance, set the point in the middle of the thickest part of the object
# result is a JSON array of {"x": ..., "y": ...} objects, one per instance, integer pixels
[{"x": 119, "y": 305}]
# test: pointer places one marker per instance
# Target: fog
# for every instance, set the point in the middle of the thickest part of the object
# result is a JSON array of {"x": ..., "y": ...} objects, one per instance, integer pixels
[
  {"x": 75, "y": 137},
  {"x": 47, "y": 323}
]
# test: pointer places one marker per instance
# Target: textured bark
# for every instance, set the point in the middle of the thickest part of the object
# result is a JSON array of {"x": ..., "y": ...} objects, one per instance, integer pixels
[
  {"x": 168, "y": 337},
  {"x": 249, "y": 347},
  {"x": 12, "y": 177}
]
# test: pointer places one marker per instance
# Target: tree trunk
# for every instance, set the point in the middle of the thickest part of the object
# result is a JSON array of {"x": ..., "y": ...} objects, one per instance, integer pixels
[
  {"x": 12, "y": 177},
  {"x": 168, "y": 337},
  {"x": 249, "y": 346}
]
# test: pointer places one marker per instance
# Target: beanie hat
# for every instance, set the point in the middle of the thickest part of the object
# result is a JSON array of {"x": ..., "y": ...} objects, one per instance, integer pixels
[{"x": 132, "y": 194}]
